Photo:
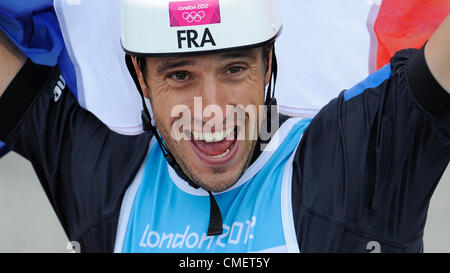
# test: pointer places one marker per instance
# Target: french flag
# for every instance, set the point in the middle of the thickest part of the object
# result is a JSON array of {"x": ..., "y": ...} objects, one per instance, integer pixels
[
  {"x": 83, "y": 38},
  {"x": 33, "y": 26}
]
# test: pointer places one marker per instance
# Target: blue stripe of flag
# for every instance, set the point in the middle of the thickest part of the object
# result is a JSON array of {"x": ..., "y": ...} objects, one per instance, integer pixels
[{"x": 33, "y": 26}]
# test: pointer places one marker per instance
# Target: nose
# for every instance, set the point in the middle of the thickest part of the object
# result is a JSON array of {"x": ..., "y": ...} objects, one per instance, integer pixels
[
  {"x": 210, "y": 91},
  {"x": 213, "y": 101}
]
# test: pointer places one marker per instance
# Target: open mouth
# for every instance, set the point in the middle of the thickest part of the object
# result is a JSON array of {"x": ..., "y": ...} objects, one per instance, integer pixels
[{"x": 215, "y": 148}]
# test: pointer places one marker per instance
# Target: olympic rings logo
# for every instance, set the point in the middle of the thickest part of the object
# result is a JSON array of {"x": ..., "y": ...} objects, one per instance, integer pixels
[{"x": 193, "y": 16}]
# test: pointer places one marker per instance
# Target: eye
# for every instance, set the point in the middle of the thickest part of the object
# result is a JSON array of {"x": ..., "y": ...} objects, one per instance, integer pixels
[
  {"x": 235, "y": 69},
  {"x": 179, "y": 76}
]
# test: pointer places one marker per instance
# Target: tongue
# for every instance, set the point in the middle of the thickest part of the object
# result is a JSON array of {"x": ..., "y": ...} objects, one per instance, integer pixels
[{"x": 214, "y": 148}]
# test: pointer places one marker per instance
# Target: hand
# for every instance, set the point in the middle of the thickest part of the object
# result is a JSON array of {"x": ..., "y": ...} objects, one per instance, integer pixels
[
  {"x": 11, "y": 61},
  {"x": 437, "y": 54}
]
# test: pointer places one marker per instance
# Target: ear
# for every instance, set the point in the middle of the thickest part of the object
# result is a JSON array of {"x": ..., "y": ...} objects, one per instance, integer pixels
[
  {"x": 142, "y": 82},
  {"x": 269, "y": 69}
]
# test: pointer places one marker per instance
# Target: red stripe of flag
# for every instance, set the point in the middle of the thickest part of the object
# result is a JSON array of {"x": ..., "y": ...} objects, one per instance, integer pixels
[{"x": 407, "y": 24}]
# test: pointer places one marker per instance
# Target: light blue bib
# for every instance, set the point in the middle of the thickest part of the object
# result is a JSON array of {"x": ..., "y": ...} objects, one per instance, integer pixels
[{"x": 167, "y": 215}]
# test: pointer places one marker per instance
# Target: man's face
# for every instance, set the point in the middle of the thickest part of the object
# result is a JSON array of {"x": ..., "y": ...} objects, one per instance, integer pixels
[{"x": 215, "y": 148}]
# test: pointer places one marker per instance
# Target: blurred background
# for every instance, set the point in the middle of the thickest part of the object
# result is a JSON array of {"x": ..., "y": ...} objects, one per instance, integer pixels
[{"x": 28, "y": 223}]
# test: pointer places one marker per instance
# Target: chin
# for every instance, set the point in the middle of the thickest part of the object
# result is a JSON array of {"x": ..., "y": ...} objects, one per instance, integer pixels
[{"x": 218, "y": 183}]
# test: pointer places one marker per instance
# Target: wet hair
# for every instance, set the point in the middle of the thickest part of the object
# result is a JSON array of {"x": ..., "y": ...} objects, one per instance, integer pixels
[{"x": 266, "y": 49}]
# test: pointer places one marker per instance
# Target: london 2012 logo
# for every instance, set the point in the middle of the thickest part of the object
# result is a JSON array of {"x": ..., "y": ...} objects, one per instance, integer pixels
[
  {"x": 194, "y": 16},
  {"x": 194, "y": 13}
]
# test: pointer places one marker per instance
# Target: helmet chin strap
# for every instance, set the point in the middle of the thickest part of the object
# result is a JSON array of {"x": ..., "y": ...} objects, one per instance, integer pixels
[{"x": 270, "y": 96}]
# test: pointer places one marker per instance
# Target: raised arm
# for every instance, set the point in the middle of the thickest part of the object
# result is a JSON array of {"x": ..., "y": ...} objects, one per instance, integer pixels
[
  {"x": 437, "y": 54},
  {"x": 11, "y": 60}
]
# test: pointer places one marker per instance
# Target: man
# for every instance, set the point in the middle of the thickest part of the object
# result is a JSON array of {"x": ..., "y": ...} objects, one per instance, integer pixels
[{"x": 360, "y": 174}]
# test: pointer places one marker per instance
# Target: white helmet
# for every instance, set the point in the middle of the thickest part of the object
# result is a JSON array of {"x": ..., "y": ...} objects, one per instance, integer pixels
[{"x": 166, "y": 27}]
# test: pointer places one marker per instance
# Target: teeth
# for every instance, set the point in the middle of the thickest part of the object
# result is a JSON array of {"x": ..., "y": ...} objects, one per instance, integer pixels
[
  {"x": 222, "y": 155},
  {"x": 197, "y": 135},
  {"x": 209, "y": 137},
  {"x": 212, "y": 137}
]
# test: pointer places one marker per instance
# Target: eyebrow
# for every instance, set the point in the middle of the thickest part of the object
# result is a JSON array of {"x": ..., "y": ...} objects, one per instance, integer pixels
[
  {"x": 224, "y": 56},
  {"x": 171, "y": 65}
]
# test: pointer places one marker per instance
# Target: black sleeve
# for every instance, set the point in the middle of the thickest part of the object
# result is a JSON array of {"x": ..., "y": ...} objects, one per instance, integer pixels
[
  {"x": 371, "y": 159},
  {"x": 83, "y": 167}
]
